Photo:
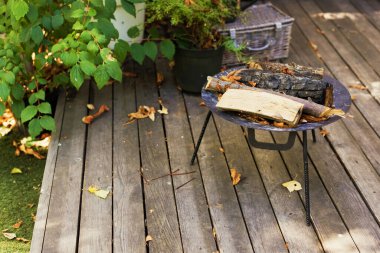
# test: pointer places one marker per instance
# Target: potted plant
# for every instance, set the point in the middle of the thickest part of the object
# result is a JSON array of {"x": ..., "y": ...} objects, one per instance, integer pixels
[
  {"x": 192, "y": 25},
  {"x": 45, "y": 45}
]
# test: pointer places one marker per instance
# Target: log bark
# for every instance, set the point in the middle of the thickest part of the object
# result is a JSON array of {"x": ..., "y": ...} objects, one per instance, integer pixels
[
  {"x": 263, "y": 104},
  {"x": 310, "y": 107},
  {"x": 297, "y": 86},
  {"x": 291, "y": 69}
]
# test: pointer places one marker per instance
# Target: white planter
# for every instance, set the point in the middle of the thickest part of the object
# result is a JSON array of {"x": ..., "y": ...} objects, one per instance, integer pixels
[{"x": 123, "y": 21}]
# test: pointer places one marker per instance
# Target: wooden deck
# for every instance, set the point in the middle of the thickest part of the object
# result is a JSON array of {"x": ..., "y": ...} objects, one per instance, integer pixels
[{"x": 209, "y": 214}]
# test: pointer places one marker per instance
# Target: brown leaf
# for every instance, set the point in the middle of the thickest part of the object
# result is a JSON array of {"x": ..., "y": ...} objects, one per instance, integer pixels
[
  {"x": 252, "y": 83},
  {"x": 129, "y": 74},
  {"x": 214, "y": 232},
  {"x": 89, "y": 118},
  {"x": 21, "y": 239},
  {"x": 163, "y": 110},
  {"x": 221, "y": 149},
  {"x": 235, "y": 176},
  {"x": 33, "y": 216},
  {"x": 30, "y": 151},
  {"x": 30, "y": 205},
  {"x": 324, "y": 132},
  {"x": 17, "y": 224},
  {"x": 320, "y": 31},
  {"x": 143, "y": 112},
  {"x": 279, "y": 124},
  {"x": 357, "y": 87},
  {"x": 202, "y": 103},
  {"x": 159, "y": 78},
  {"x": 17, "y": 152},
  {"x": 315, "y": 49},
  {"x": 353, "y": 97}
]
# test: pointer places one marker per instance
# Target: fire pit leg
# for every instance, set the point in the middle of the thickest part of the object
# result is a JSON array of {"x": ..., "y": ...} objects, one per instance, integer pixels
[
  {"x": 200, "y": 137},
  {"x": 313, "y": 134},
  {"x": 306, "y": 177}
]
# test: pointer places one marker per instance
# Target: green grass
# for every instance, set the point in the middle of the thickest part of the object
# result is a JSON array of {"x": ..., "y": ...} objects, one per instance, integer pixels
[{"x": 16, "y": 192}]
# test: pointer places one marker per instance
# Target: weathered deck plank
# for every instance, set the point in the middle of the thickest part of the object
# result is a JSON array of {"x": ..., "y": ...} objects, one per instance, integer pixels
[
  {"x": 258, "y": 214},
  {"x": 47, "y": 181},
  {"x": 257, "y": 210},
  {"x": 288, "y": 207},
  {"x": 223, "y": 203},
  {"x": 128, "y": 203},
  {"x": 60, "y": 235},
  {"x": 161, "y": 212},
  {"x": 193, "y": 214},
  {"x": 96, "y": 214}
]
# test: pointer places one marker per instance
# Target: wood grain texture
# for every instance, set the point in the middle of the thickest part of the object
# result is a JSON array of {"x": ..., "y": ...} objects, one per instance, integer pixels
[
  {"x": 260, "y": 220},
  {"x": 161, "y": 213},
  {"x": 96, "y": 213},
  {"x": 47, "y": 181},
  {"x": 266, "y": 105},
  {"x": 345, "y": 49},
  {"x": 328, "y": 224},
  {"x": 229, "y": 224},
  {"x": 287, "y": 206},
  {"x": 128, "y": 202},
  {"x": 192, "y": 206},
  {"x": 367, "y": 105},
  {"x": 60, "y": 235}
]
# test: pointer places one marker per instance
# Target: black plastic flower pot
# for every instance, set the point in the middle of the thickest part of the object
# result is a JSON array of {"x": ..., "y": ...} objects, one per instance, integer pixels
[{"x": 192, "y": 66}]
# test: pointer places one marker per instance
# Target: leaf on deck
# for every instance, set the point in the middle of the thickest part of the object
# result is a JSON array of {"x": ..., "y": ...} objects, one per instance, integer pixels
[
  {"x": 357, "y": 87},
  {"x": 235, "y": 176},
  {"x": 163, "y": 110},
  {"x": 89, "y": 118},
  {"x": 159, "y": 78},
  {"x": 90, "y": 107},
  {"x": 143, "y": 112},
  {"x": 148, "y": 238},
  {"x": 324, "y": 132},
  {"x": 292, "y": 186}
]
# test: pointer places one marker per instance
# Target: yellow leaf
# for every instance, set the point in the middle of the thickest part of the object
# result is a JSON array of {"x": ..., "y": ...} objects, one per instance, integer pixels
[
  {"x": 10, "y": 236},
  {"x": 235, "y": 176},
  {"x": 90, "y": 106},
  {"x": 102, "y": 193},
  {"x": 148, "y": 238},
  {"x": 92, "y": 189},
  {"x": 18, "y": 224},
  {"x": 16, "y": 171},
  {"x": 292, "y": 186}
]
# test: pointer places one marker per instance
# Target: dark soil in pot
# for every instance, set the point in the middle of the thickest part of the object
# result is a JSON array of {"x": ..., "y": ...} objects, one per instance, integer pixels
[{"x": 192, "y": 66}]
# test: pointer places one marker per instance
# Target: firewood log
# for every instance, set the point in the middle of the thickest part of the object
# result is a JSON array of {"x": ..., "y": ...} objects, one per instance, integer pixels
[{"x": 310, "y": 107}]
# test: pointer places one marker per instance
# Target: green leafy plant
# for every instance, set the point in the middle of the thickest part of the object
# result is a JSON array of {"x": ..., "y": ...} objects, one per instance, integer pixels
[
  {"x": 191, "y": 23},
  {"x": 46, "y": 44}
]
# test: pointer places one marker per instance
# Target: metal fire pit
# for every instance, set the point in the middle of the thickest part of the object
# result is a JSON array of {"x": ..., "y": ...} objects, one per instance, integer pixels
[{"x": 342, "y": 100}]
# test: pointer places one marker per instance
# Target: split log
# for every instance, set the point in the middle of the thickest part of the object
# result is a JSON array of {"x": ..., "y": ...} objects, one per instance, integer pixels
[
  {"x": 297, "y": 86},
  {"x": 290, "y": 69},
  {"x": 263, "y": 104},
  {"x": 310, "y": 107}
]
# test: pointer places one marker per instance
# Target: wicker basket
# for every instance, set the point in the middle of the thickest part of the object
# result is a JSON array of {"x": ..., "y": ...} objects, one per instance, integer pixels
[{"x": 264, "y": 29}]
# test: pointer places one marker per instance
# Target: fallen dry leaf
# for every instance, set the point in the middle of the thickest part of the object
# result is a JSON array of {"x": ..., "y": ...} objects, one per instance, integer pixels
[
  {"x": 102, "y": 193},
  {"x": 292, "y": 186},
  {"x": 90, "y": 107},
  {"x": 320, "y": 31},
  {"x": 221, "y": 149},
  {"x": 253, "y": 84},
  {"x": 279, "y": 124},
  {"x": 7, "y": 122},
  {"x": 159, "y": 78},
  {"x": 89, "y": 118},
  {"x": 16, "y": 171},
  {"x": 235, "y": 176},
  {"x": 9, "y": 236},
  {"x": 148, "y": 238},
  {"x": 129, "y": 74},
  {"x": 202, "y": 103},
  {"x": 357, "y": 87},
  {"x": 353, "y": 97},
  {"x": 324, "y": 132},
  {"x": 163, "y": 110},
  {"x": 143, "y": 112},
  {"x": 315, "y": 49},
  {"x": 30, "y": 205},
  {"x": 21, "y": 239},
  {"x": 214, "y": 232},
  {"x": 189, "y": 2},
  {"x": 18, "y": 224},
  {"x": 30, "y": 151},
  {"x": 33, "y": 217},
  {"x": 92, "y": 189}
]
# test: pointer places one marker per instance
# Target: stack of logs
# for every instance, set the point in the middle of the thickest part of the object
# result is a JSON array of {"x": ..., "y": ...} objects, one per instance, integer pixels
[{"x": 275, "y": 91}]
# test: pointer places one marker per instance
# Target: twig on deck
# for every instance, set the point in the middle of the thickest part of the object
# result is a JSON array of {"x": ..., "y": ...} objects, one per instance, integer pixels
[
  {"x": 169, "y": 174},
  {"x": 185, "y": 183}
]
